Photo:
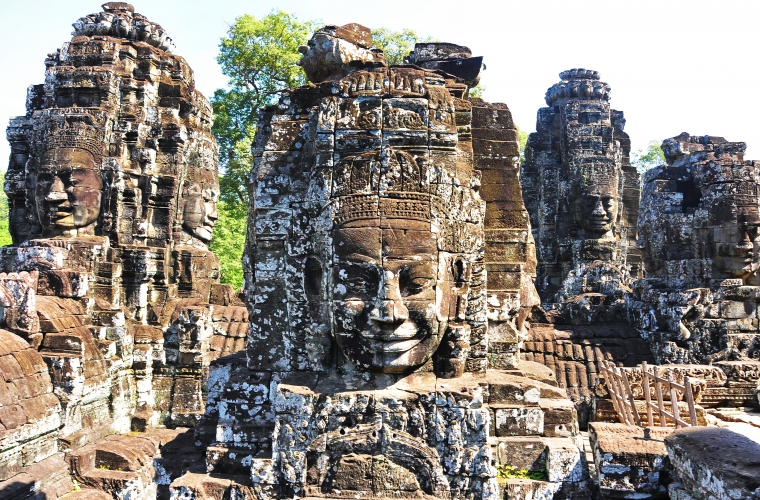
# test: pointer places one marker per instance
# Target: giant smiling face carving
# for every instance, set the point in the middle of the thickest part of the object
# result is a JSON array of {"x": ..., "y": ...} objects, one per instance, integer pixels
[{"x": 392, "y": 295}]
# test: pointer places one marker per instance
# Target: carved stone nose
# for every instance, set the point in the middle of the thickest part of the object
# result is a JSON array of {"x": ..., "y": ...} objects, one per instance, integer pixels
[
  {"x": 212, "y": 214},
  {"x": 303, "y": 49},
  {"x": 599, "y": 209},
  {"x": 389, "y": 311},
  {"x": 57, "y": 191}
]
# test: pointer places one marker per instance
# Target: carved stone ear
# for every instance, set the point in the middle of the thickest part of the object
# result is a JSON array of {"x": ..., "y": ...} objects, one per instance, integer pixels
[
  {"x": 460, "y": 270},
  {"x": 313, "y": 278}
]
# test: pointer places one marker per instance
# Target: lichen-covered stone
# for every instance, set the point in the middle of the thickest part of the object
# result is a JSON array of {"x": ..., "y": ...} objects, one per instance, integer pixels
[
  {"x": 697, "y": 231},
  {"x": 112, "y": 184},
  {"x": 387, "y": 303},
  {"x": 733, "y": 472},
  {"x": 631, "y": 461},
  {"x": 582, "y": 196}
]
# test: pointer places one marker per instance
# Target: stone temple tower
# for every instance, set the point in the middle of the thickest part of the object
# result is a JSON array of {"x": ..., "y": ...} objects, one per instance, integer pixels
[
  {"x": 113, "y": 187},
  {"x": 582, "y": 195},
  {"x": 388, "y": 263}
]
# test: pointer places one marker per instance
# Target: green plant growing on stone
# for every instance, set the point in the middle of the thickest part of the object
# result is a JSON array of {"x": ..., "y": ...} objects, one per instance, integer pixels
[
  {"x": 5, "y": 235},
  {"x": 505, "y": 471}
]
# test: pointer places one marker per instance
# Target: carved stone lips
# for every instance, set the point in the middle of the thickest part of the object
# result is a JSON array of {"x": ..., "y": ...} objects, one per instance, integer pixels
[
  {"x": 598, "y": 223},
  {"x": 398, "y": 339},
  {"x": 59, "y": 213},
  {"x": 395, "y": 345}
]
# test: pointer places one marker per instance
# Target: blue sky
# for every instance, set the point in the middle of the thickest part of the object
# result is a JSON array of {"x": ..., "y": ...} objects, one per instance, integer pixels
[{"x": 673, "y": 66}]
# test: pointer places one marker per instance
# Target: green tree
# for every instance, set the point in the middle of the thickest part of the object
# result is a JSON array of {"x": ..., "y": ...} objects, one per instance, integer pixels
[
  {"x": 395, "y": 44},
  {"x": 522, "y": 138},
  {"x": 5, "y": 235},
  {"x": 652, "y": 157},
  {"x": 229, "y": 240},
  {"x": 477, "y": 91},
  {"x": 259, "y": 56}
]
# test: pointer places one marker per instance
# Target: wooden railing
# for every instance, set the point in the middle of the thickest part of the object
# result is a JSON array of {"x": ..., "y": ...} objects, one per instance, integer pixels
[{"x": 619, "y": 387}]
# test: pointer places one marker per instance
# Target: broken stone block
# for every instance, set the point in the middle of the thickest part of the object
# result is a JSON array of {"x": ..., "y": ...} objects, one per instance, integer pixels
[
  {"x": 519, "y": 421},
  {"x": 564, "y": 461},
  {"x": 716, "y": 462},
  {"x": 631, "y": 461},
  {"x": 523, "y": 452}
]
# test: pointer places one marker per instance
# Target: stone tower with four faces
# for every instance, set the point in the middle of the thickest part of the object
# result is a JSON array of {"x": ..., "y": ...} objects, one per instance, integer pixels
[
  {"x": 389, "y": 267},
  {"x": 699, "y": 231},
  {"x": 113, "y": 185},
  {"x": 582, "y": 195}
]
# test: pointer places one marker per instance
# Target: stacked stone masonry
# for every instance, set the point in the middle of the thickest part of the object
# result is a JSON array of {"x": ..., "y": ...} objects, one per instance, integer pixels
[
  {"x": 111, "y": 304},
  {"x": 389, "y": 276},
  {"x": 422, "y": 316},
  {"x": 582, "y": 196}
]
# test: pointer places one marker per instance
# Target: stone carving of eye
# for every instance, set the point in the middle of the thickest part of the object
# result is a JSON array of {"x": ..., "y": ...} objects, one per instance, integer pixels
[
  {"x": 357, "y": 284},
  {"x": 359, "y": 280},
  {"x": 414, "y": 280}
]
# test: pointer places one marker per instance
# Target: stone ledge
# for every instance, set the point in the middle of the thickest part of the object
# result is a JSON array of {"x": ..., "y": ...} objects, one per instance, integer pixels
[
  {"x": 715, "y": 462},
  {"x": 631, "y": 461}
]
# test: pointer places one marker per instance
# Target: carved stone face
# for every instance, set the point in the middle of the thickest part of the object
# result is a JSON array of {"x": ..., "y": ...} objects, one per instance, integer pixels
[
  {"x": 319, "y": 57},
  {"x": 68, "y": 190},
  {"x": 596, "y": 213},
  {"x": 199, "y": 211},
  {"x": 391, "y": 295},
  {"x": 328, "y": 56},
  {"x": 737, "y": 249}
]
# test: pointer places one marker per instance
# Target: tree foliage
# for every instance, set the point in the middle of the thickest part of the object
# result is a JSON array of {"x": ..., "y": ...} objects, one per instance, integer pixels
[
  {"x": 652, "y": 157},
  {"x": 5, "y": 235},
  {"x": 259, "y": 57},
  {"x": 522, "y": 138},
  {"x": 477, "y": 91},
  {"x": 397, "y": 44},
  {"x": 228, "y": 242}
]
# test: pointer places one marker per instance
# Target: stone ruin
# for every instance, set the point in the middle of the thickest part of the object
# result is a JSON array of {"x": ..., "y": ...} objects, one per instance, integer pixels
[
  {"x": 699, "y": 234},
  {"x": 381, "y": 362},
  {"x": 111, "y": 304},
  {"x": 388, "y": 342},
  {"x": 583, "y": 196}
]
